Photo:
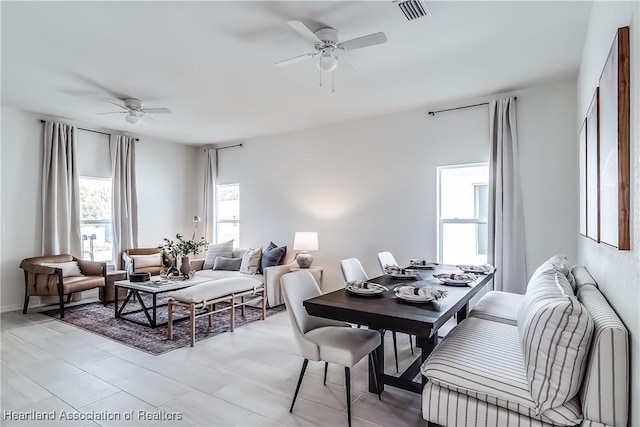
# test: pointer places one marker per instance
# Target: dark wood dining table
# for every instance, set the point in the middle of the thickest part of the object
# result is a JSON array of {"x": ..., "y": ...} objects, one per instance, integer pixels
[{"x": 387, "y": 312}]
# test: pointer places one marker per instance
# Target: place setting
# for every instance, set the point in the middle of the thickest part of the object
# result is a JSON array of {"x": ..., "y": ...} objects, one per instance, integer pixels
[
  {"x": 422, "y": 264},
  {"x": 366, "y": 289},
  {"x": 477, "y": 269},
  {"x": 456, "y": 279},
  {"x": 396, "y": 272},
  {"x": 419, "y": 295}
]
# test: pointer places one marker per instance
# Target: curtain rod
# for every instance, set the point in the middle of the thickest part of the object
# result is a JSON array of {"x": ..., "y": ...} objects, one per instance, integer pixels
[
  {"x": 433, "y": 113},
  {"x": 94, "y": 131},
  {"x": 223, "y": 148}
]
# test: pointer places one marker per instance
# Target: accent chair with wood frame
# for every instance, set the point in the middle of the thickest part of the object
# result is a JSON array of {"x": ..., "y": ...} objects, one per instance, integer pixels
[
  {"x": 145, "y": 260},
  {"x": 43, "y": 278}
]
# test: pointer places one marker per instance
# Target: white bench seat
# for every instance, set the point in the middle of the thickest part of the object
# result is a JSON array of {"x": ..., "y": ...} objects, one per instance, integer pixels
[{"x": 205, "y": 296}]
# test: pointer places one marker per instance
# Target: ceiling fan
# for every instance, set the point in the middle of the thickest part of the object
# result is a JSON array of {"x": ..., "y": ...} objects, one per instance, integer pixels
[
  {"x": 134, "y": 110},
  {"x": 328, "y": 47}
]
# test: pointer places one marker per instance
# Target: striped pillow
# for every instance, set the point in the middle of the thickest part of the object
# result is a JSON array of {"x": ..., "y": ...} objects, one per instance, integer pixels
[
  {"x": 223, "y": 249},
  {"x": 555, "y": 331}
]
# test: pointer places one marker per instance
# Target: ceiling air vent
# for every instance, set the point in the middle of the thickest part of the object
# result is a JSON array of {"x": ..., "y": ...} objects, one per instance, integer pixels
[{"x": 413, "y": 9}]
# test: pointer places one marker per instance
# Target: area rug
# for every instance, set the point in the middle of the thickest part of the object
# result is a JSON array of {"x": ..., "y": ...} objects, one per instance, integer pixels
[{"x": 100, "y": 319}]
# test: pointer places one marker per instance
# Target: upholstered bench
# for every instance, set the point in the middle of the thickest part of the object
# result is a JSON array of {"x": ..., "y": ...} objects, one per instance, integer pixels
[
  {"x": 565, "y": 361},
  {"x": 204, "y": 296}
]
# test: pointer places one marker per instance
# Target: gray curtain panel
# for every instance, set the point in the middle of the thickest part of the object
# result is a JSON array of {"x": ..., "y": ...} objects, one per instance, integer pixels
[
  {"x": 124, "y": 201},
  {"x": 209, "y": 197},
  {"x": 506, "y": 219},
  {"x": 60, "y": 192}
]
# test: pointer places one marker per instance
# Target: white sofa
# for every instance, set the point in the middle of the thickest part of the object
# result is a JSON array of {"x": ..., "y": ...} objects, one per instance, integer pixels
[
  {"x": 486, "y": 371},
  {"x": 270, "y": 276}
]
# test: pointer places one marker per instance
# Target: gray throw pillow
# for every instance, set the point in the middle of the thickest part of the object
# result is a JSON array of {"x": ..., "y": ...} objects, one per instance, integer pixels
[
  {"x": 223, "y": 249},
  {"x": 228, "y": 264}
]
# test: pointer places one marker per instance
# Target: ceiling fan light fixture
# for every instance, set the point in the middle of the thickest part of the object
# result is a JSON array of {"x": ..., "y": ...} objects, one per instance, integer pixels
[
  {"x": 134, "y": 117},
  {"x": 327, "y": 62}
]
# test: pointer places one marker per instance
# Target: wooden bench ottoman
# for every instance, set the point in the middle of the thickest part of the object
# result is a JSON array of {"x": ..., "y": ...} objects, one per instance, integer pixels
[{"x": 204, "y": 296}]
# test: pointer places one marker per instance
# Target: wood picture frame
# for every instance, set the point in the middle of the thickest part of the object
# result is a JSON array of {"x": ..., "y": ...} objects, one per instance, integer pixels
[
  {"x": 614, "y": 142},
  {"x": 582, "y": 178},
  {"x": 592, "y": 169}
]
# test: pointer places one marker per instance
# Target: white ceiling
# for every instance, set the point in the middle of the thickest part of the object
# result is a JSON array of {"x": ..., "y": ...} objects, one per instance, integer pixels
[{"x": 211, "y": 63}]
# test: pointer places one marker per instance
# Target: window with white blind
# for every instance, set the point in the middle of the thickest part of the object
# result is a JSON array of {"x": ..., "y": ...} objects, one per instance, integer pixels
[{"x": 463, "y": 200}]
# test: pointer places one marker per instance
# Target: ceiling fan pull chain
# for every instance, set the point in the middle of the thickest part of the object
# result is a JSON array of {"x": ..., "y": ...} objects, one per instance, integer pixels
[
  {"x": 333, "y": 81},
  {"x": 320, "y": 78}
]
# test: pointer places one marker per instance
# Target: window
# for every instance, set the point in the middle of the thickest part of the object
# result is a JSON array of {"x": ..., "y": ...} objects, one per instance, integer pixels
[
  {"x": 95, "y": 218},
  {"x": 228, "y": 206},
  {"x": 463, "y": 204}
]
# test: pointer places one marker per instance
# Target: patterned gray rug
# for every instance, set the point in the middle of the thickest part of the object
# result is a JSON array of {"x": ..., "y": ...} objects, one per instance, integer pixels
[{"x": 99, "y": 319}]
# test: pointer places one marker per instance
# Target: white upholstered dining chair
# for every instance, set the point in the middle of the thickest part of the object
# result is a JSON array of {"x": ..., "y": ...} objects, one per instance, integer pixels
[
  {"x": 321, "y": 339},
  {"x": 386, "y": 259}
]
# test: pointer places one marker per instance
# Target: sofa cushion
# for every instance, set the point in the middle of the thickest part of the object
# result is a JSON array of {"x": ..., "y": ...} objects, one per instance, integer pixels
[
  {"x": 69, "y": 269},
  {"x": 224, "y": 249},
  {"x": 498, "y": 306},
  {"x": 272, "y": 256},
  {"x": 229, "y": 264},
  {"x": 555, "y": 332},
  {"x": 558, "y": 263},
  {"x": 447, "y": 407},
  {"x": 144, "y": 261},
  {"x": 223, "y": 274},
  {"x": 483, "y": 359},
  {"x": 251, "y": 261}
]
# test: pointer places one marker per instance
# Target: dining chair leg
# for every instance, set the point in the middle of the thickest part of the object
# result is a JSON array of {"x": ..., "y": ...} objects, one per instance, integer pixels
[
  {"x": 395, "y": 348},
  {"x": 373, "y": 362},
  {"x": 347, "y": 385},
  {"x": 411, "y": 343},
  {"x": 304, "y": 368},
  {"x": 326, "y": 366}
]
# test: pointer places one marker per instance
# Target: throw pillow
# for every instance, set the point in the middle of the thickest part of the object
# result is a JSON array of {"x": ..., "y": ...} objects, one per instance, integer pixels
[
  {"x": 223, "y": 249},
  {"x": 272, "y": 256},
  {"x": 228, "y": 264},
  {"x": 555, "y": 331},
  {"x": 144, "y": 261},
  {"x": 251, "y": 261},
  {"x": 69, "y": 269}
]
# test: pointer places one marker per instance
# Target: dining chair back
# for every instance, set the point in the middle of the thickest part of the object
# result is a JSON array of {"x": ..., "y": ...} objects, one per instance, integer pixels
[
  {"x": 352, "y": 270},
  {"x": 386, "y": 259},
  {"x": 321, "y": 339}
]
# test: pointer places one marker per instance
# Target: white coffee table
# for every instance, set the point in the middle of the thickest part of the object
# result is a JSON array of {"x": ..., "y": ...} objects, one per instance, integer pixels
[{"x": 154, "y": 287}]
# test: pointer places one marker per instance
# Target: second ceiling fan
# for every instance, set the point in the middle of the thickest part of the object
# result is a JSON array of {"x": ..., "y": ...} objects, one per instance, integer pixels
[{"x": 328, "y": 47}]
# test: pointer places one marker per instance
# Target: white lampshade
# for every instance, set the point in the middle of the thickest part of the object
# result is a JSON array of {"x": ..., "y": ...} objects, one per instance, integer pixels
[{"x": 305, "y": 241}]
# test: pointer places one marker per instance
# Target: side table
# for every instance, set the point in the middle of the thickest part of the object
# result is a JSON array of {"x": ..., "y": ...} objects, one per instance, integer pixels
[
  {"x": 107, "y": 293},
  {"x": 317, "y": 272}
]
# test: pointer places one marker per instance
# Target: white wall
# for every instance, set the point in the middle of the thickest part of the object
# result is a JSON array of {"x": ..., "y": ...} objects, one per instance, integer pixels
[
  {"x": 616, "y": 272},
  {"x": 166, "y": 198},
  {"x": 370, "y": 185}
]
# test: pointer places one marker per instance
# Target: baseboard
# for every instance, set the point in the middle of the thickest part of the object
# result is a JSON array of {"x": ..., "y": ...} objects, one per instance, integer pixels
[{"x": 90, "y": 294}]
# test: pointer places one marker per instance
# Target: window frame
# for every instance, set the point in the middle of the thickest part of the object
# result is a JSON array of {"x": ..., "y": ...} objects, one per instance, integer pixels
[
  {"x": 84, "y": 222},
  {"x": 219, "y": 221},
  {"x": 442, "y": 221}
]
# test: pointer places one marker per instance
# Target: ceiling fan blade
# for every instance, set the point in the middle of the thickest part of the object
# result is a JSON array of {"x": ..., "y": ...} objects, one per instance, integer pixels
[
  {"x": 150, "y": 118},
  {"x": 364, "y": 41},
  {"x": 295, "y": 59},
  {"x": 117, "y": 105},
  {"x": 156, "y": 110},
  {"x": 304, "y": 31},
  {"x": 112, "y": 112}
]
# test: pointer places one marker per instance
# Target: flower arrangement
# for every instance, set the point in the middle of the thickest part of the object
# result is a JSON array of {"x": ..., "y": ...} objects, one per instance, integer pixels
[{"x": 181, "y": 247}]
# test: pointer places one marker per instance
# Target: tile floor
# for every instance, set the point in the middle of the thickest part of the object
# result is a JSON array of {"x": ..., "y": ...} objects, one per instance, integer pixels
[{"x": 244, "y": 378}]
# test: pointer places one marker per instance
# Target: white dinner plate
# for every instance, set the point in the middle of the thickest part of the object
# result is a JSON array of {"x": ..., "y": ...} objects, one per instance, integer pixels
[
  {"x": 413, "y": 298},
  {"x": 371, "y": 289},
  {"x": 454, "y": 281}
]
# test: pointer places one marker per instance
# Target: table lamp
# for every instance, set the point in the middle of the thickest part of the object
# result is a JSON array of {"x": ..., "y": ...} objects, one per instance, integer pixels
[{"x": 305, "y": 241}]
